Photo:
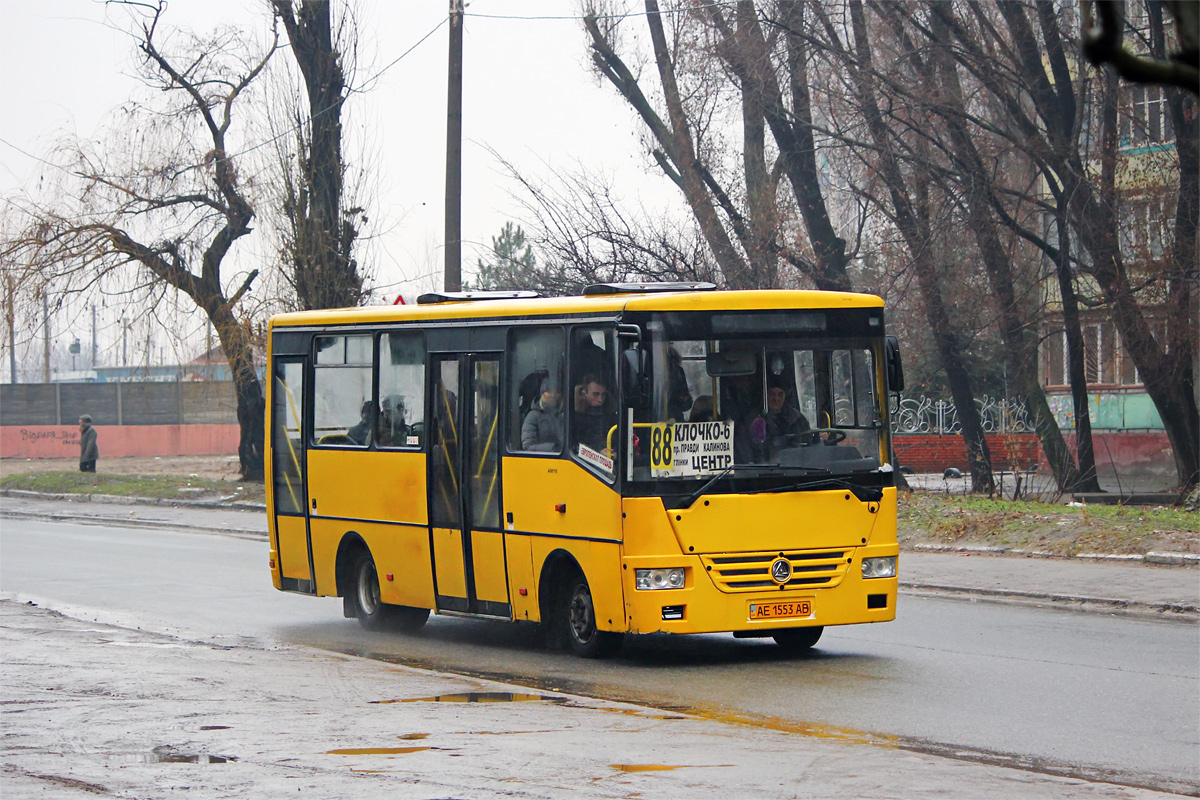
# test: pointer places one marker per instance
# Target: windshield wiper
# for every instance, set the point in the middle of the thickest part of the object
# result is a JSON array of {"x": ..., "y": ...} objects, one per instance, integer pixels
[
  {"x": 704, "y": 487},
  {"x": 865, "y": 494}
]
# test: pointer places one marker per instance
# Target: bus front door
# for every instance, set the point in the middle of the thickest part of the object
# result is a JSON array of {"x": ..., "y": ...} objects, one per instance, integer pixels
[
  {"x": 467, "y": 539},
  {"x": 292, "y": 544}
]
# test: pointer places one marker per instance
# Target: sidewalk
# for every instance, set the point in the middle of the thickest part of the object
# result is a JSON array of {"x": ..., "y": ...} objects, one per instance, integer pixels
[
  {"x": 1103, "y": 585},
  {"x": 91, "y": 709}
]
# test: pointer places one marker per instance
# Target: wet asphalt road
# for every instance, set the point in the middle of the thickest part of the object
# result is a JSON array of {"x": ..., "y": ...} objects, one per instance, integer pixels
[{"x": 1105, "y": 698}]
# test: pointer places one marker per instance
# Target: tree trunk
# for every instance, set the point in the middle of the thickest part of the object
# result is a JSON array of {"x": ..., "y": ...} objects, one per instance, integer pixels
[
  {"x": 1020, "y": 345},
  {"x": 325, "y": 274},
  {"x": 911, "y": 217},
  {"x": 251, "y": 407},
  {"x": 1077, "y": 375}
]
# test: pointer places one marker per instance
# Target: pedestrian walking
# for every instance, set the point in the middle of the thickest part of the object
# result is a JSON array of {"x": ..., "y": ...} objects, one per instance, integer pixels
[{"x": 88, "y": 452}]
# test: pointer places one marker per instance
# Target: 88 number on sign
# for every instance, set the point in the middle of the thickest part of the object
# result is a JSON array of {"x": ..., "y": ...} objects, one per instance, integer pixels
[{"x": 661, "y": 441}]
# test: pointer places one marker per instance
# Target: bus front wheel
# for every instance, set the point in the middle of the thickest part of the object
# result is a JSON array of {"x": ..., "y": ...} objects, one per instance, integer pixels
[
  {"x": 580, "y": 616},
  {"x": 798, "y": 640},
  {"x": 373, "y": 614}
]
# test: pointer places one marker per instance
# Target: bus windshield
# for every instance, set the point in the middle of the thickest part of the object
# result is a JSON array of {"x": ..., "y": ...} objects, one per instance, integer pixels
[{"x": 786, "y": 402}]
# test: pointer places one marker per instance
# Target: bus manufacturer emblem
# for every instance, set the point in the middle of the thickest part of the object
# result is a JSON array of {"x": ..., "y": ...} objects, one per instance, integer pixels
[{"x": 781, "y": 571}]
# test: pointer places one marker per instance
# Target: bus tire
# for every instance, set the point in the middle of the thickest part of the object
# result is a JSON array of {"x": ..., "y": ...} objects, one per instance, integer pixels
[
  {"x": 373, "y": 614},
  {"x": 579, "y": 615},
  {"x": 798, "y": 640}
]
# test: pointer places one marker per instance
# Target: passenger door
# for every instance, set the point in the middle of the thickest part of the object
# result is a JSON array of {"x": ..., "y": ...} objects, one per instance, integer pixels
[
  {"x": 466, "y": 535},
  {"x": 288, "y": 472}
]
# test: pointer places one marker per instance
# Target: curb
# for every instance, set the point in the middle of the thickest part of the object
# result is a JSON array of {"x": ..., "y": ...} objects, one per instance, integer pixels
[
  {"x": 1081, "y": 602},
  {"x": 134, "y": 501},
  {"x": 1154, "y": 557},
  {"x": 133, "y": 522}
]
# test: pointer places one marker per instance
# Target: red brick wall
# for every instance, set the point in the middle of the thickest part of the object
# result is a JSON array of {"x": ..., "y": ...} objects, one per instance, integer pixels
[{"x": 935, "y": 453}]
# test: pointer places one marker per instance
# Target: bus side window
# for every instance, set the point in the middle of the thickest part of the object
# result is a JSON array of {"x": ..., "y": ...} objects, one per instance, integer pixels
[
  {"x": 401, "y": 418},
  {"x": 536, "y": 421},
  {"x": 343, "y": 412}
]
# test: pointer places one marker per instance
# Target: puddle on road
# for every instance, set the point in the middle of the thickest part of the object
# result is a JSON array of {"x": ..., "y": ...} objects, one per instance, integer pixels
[
  {"x": 479, "y": 697},
  {"x": 172, "y": 758},
  {"x": 215, "y": 727},
  {"x": 411, "y": 736},
  {"x": 635, "y": 712},
  {"x": 662, "y": 767},
  {"x": 376, "y": 751}
]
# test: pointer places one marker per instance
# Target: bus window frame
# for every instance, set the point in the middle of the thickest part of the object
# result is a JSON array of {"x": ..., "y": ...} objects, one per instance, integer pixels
[
  {"x": 509, "y": 395},
  {"x": 609, "y": 327},
  {"x": 377, "y": 372},
  {"x": 313, "y": 439}
]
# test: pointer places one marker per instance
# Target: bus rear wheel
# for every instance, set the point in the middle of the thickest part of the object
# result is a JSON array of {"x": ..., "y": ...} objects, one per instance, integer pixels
[
  {"x": 798, "y": 640},
  {"x": 580, "y": 616},
  {"x": 373, "y": 614}
]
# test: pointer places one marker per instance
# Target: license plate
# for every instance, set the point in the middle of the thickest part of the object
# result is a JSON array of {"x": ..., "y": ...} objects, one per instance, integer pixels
[{"x": 794, "y": 608}]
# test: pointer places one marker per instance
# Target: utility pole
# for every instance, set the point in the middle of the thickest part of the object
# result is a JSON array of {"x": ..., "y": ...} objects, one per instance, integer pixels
[
  {"x": 12, "y": 331},
  {"x": 95, "y": 350},
  {"x": 46, "y": 337},
  {"x": 453, "y": 278}
]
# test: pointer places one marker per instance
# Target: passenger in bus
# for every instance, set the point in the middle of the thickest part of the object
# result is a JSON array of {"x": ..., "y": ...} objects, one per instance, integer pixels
[
  {"x": 702, "y": 409},
  {"x": 360, "y": 432},
  {"x": 542, "y": 430},
  {"x": 679, "y": 396},
  {"x": 593, "y": 419},
  {"x": 741, "y": 403},
  {"x": 392, "y": 431}
]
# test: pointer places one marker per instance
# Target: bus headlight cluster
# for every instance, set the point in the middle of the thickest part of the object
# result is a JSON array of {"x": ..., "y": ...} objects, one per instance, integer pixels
[
  {"x": 883, "y": 567},
  {"x": 672, "y": 578}
]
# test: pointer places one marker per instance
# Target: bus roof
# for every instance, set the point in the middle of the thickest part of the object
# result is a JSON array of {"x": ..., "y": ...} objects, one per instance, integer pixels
[{"x": 602, "y": 305}]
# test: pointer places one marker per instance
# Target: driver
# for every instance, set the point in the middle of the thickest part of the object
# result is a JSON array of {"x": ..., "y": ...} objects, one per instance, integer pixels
[{"x": 785, "y": 420}]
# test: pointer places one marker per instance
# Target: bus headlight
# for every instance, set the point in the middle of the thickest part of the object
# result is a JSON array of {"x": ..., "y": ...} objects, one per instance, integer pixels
[
  {"x": 672, "y": 578},
  {"x": 883, "y": 567}
]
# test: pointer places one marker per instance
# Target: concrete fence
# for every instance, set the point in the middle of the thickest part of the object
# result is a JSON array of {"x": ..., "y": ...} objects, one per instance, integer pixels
[
  {"x": 41, "y": 420},
  {"x": 187, "y": 403}
]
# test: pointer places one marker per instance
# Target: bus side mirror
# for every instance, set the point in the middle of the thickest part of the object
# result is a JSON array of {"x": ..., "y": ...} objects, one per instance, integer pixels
[
  {"x": 634, "y": 389},
  {"x": 895, "y": 368}
]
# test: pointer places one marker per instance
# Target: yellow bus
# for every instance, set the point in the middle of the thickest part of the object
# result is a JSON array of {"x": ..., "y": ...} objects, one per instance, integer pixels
[{"x": 642, "y": 458}]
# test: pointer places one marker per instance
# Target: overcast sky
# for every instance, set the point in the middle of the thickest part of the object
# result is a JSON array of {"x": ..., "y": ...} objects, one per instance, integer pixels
[{"x": 528, "y": 94}]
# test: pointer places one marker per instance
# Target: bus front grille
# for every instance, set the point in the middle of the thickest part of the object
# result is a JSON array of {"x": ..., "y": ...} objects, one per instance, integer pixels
[{"x": 751, "y": 572}]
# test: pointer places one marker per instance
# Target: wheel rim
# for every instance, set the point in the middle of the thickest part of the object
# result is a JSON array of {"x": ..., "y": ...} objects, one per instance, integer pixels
[
  {"x": 581, "y": 618},
  {"x": 368, "y": 588}
]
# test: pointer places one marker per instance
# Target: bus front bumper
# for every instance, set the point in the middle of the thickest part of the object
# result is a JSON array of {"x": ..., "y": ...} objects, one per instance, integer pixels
[{"x": 702, "y": 607}]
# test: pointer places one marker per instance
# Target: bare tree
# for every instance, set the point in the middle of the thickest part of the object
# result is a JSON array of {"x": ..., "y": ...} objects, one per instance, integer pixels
[
  {"x": 321, "y": 227},
  {"x": 586, "y": 234},
  {"x": 975, "y": 159},
  {"x": 1033, "y": 100},
  {"x": 163, "y": 207},
  {"x": 738, "y": 213}
]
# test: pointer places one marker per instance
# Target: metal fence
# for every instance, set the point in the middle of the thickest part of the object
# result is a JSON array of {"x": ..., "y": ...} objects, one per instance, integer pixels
[
  {"x": 927, "y": 415},
  {"x": 186, "y": 403}
]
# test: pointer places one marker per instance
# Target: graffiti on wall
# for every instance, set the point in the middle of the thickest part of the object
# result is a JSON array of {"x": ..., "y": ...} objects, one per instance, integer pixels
[{"x": 69, "y": 438}]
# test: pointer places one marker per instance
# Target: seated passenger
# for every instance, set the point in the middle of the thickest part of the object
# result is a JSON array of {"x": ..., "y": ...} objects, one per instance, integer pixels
[
  {"x": 392, "y": 430},
  {"x": 360, "y": 432},
  {"x": 702, "y": 409},
  {"x": 679, "y": 397},
  {"x": 592, "y": 419},
  {"x": 542, "y": 430}
]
